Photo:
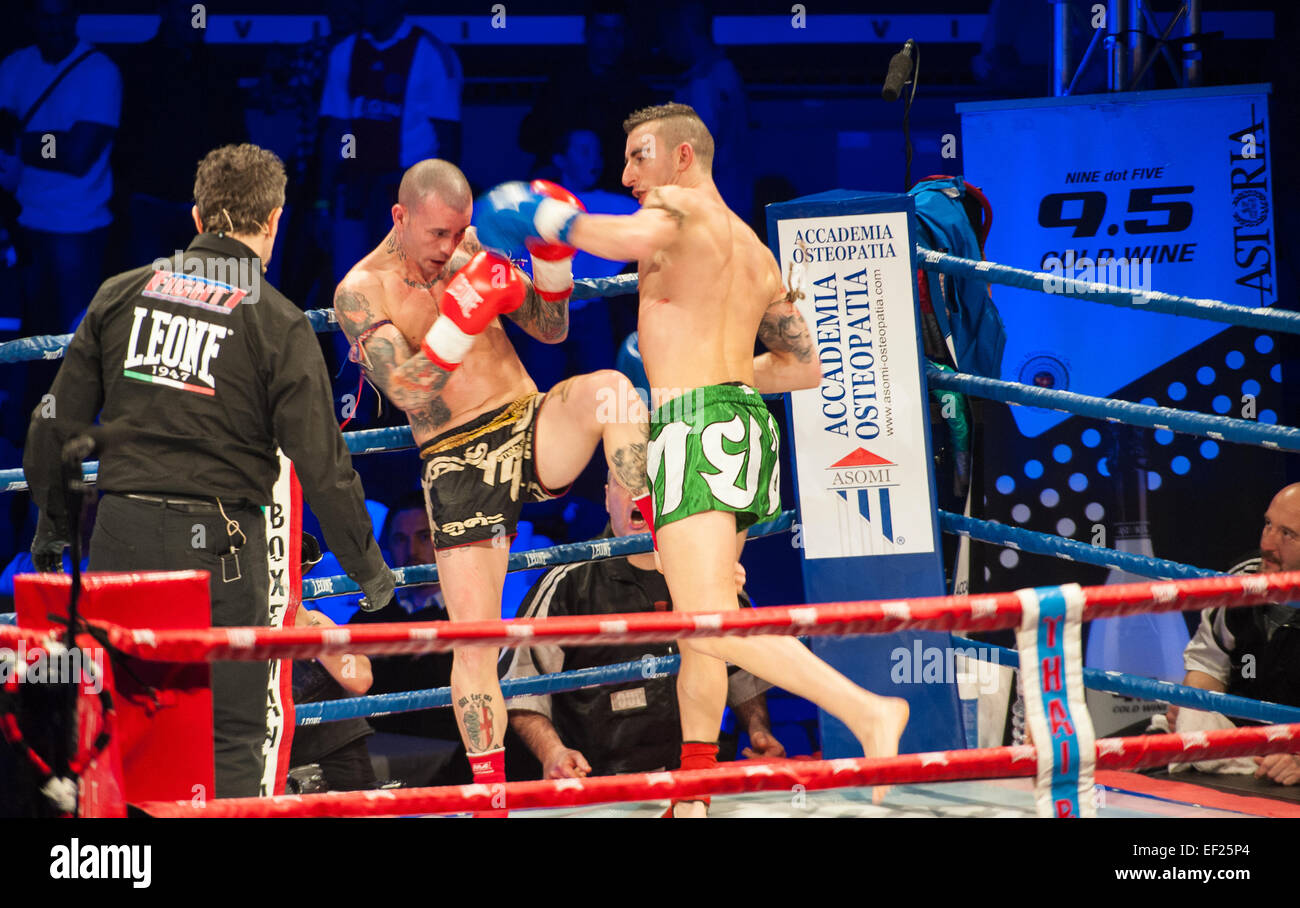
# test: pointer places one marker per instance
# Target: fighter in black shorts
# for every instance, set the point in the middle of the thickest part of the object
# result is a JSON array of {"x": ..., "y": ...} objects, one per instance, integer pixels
[
  {"x": 422, "y": 312},
  {"x": 477, "y": 477}
]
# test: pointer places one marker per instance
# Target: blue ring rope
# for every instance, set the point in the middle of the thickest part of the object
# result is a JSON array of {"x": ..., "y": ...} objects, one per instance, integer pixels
[
  {"x": 1165, "y": 691},
  {"x": 1221, "y": 428},
  {"x": 364, "y": 441},
  {"x": 562, "y": 682},
  {"x": 1153, "y": 300},
  {"x": 650, "y": 667},
  {"x": 567, "y": 553},
  {"x": 396, "y": 438},
  {"x": 1069, "y": 549},
  {"x": 51, "y": 346}
]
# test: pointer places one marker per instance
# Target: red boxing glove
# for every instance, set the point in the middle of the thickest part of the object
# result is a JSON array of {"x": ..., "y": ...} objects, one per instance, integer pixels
[
  {"x": 485, "y": 288},
  {"x": 552, "y": 262}
]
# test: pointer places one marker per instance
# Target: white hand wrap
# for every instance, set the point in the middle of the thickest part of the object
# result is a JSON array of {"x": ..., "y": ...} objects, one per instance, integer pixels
[
  {"x": 446, "y": 343},
  {"x": 552, "y": 220},
  {"x": 554, "y": 277}
]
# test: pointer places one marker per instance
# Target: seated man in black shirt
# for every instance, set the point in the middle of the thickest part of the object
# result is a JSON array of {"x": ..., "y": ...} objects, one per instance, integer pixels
[
  {"x": 629, "y": 727},
  {"x": 1252, "y": 652}
]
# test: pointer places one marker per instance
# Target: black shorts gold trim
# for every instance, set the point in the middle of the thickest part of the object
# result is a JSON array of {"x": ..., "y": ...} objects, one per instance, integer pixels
[{"x": 477, "y": 477}]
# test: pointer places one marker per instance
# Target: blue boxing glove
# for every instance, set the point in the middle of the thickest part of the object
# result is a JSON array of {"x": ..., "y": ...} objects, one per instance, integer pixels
[{"x": 515, "y": 212}]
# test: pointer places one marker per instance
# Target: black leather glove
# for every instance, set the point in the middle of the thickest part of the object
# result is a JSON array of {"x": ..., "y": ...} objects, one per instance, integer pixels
[
  {"x": 378, "y": 590},
  {"x": 48, "y": 546},
  {"x": 311, "y": 554}
]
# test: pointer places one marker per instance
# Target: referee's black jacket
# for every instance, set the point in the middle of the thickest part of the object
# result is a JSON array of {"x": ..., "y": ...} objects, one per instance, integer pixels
[{"x": 198, "y": 368}]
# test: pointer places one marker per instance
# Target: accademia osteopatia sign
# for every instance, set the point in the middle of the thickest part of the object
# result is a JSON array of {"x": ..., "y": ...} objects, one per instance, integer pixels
[{"x": 861, "y": 465}]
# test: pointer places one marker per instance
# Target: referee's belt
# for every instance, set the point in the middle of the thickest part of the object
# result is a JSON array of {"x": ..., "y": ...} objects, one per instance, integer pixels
[{"x": 190, "y": 505}]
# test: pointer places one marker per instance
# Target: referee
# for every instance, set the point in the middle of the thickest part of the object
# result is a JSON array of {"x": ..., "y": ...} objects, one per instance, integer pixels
[{"x": 198, "y": 369}]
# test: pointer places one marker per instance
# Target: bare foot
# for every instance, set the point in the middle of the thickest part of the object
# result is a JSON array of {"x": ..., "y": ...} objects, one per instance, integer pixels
[
  {"x": 883, "y": 725},
  {"x": 689, "y": 810}
]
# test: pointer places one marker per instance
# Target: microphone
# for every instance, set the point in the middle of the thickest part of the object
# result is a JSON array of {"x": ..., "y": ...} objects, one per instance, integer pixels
[{"x": 900, "y": 67}]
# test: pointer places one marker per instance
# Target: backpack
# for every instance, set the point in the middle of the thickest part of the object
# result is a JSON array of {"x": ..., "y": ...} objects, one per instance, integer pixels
[{"x": 960, "y": 324}]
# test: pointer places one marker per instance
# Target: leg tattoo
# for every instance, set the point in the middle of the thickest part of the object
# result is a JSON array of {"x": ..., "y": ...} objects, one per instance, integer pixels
[
  {"x": 477, "y": 717},
  {"x": 629, "y": 466}
]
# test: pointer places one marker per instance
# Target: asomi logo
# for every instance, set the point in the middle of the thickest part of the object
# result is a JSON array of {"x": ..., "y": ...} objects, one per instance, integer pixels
[{"x": 862, "y": 481}]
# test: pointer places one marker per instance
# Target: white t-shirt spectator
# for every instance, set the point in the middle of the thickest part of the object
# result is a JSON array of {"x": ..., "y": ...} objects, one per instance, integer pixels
[
  {"x": 432, "y": 91},
  {"x": 92, "y": 93}
]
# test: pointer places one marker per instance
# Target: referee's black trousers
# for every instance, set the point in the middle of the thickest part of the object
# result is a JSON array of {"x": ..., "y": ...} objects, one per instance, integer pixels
[{"x": 135, "y": 535}]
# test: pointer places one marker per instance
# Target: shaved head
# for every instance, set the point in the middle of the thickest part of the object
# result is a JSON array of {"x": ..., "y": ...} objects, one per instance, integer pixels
[
  {"x": 440, "y": 179},
  {"x": 1279, "y": 544},
  {"x": 1289, "y": 495}
]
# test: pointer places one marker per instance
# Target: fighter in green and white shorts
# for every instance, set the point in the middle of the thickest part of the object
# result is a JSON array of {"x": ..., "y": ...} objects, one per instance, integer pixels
[{"x": 715, "y": 449}]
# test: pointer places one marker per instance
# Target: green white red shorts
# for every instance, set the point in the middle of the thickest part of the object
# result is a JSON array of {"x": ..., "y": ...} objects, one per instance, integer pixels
[{"x": 715, "y": 449}]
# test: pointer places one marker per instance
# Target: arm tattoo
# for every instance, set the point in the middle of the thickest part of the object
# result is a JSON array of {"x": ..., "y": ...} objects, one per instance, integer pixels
[
  {"x": 656, "y": 200},
  {"x": 406, "y": 383},
  {"x": 355, "y": 315},
  {"x": 383, "y": 360},
  {"x": 783, "y": 330},
  {"x": 548, "y": 322},
  {"x": 418, "y": 375}
]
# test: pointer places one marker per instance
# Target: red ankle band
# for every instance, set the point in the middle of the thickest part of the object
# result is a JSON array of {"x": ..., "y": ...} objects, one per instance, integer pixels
[
  {"x": 489, "y": 766},
  {"x": 699, "y": 755}
]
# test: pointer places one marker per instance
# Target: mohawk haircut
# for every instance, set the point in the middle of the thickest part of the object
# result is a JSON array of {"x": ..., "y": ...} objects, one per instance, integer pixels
[{"x": 678, "y": 123}]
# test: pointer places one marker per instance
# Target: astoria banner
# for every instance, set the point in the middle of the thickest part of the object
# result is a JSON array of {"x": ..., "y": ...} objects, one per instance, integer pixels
[{"x": 1155, "y": 190}]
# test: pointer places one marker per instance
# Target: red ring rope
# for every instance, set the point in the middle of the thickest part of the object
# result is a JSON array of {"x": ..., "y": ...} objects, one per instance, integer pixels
[
  {"x": 943, "y": 613},
  {"x": 945, "y": 766}
]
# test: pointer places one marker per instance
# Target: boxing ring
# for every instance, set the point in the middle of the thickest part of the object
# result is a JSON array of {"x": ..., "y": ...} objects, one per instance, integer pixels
[{"x": 996, "y": 781}]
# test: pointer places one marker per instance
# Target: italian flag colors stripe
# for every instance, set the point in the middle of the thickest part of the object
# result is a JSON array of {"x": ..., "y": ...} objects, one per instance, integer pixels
[{"x": 169, "y": 382}]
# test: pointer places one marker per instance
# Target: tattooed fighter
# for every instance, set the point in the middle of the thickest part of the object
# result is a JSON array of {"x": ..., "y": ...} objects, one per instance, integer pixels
[
  {"x": 708, "y": 288},
  {"x": 421, "y": 313}
]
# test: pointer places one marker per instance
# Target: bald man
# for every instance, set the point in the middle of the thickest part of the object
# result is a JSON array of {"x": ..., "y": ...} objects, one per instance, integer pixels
[
  {"x": 1254, "y": 652},
  {"x": 422, "y": 312}
]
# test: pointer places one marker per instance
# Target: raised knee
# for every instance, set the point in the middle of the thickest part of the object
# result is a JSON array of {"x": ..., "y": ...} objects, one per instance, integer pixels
[
  {"x": 601, "y": 390},
  {"x": 610, "y": 378}
]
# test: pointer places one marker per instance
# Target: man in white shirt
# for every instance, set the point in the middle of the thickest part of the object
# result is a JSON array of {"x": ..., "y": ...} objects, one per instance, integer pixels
[
  {"x": 60, "y": 158},
  {"x": 63, "y": 150}
]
